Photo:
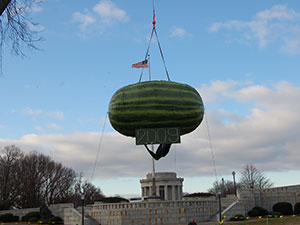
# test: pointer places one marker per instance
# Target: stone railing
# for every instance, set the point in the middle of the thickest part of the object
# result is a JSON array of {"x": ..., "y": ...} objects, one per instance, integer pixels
[{"x": 150, "y": 213}]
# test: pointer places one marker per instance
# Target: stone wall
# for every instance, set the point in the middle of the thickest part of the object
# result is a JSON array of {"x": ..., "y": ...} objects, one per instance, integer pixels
[
  {"x": 170, "y": 212},
  {"x": 153, "y": 213},
  {"x": 266, "y": 198},
  {"x": 20, "y": 212},
  {"x": 65, "y": 211}
]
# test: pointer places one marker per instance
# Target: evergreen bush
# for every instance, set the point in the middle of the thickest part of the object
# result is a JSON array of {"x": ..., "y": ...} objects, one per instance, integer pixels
[
  {"x": 284, "y": 208},
  {"x": 253, "y": 213},
  {"x": 113, "y": 200},
  {"x": 29, "y": 215},
  {"x": 258, "y": 211},
  {"x": 7, "y": 217},
  {"x": 16, "y": 219},
  {"x": 275, "y": 214},
  {"x": 33, "y": 220},
  {"x": 45, "y": 212},
  {"x": 55, "y": 220},
  {"x": 237, "y": 217}
]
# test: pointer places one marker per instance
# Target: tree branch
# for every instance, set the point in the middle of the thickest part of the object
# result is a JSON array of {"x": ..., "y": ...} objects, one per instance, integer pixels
[{"x": 3, "y": 5}]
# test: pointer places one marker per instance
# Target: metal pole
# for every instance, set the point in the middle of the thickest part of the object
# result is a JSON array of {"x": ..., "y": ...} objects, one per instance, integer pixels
[
  {"x": 220, "y": 206},
  {"x": 153, "y": 174},
  {"x": 234, "y": 185},
  {"x": 149, "y": 67},
  {"x": 152, "y": 147},
  {"x": 82, "y": 209},
  {"x": 223, "y": 187}
]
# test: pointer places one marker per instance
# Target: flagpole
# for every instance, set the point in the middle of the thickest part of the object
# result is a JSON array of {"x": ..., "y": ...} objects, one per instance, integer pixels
[
  {"x": 149, "y": 67},
  {"x": 152, "y": 147}
]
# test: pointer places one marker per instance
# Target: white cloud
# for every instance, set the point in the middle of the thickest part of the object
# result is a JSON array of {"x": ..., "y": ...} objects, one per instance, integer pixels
[
  {"x": 291, "y": 46},
  {"x": 38, "y": 112},
  {"x": 105, "y": 13},
  {"x": 109, "y": 12},
  {"x": 268, "y": 136},
  {"x": 278, "y": 23},
  {"x": 278, "y": 12},
  {"x": 55, "y": 126},
  {"x": 83, "y": 19},
  {"x": 178, "y": 32}
]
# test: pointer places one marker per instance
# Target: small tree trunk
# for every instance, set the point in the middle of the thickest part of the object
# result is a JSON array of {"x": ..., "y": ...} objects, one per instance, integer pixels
[{"x": 3, "y": 5}]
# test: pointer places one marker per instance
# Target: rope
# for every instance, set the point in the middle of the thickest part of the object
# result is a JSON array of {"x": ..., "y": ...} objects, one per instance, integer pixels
[
  {"x": 162, "y": 55},
  {"x": 211, "y": 147},
  {"x": 153, "y": 5},
  {"x": 146, "y": 55},
  {"x": 99, "y": 147},
  {"x": 159, "y": 46}
]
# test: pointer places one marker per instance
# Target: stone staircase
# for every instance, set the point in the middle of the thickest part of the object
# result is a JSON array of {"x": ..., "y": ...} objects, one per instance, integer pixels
[
  {"x": 225, "y": 203},
  {"x": 88, "y": 220}
]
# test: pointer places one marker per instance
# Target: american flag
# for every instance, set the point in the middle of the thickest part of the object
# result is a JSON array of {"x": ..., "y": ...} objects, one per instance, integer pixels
[{"x": 143, "y": 64}]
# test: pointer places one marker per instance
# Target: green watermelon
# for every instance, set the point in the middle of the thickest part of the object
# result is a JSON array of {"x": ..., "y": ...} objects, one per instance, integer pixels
[{"x": 155, "y": 104}]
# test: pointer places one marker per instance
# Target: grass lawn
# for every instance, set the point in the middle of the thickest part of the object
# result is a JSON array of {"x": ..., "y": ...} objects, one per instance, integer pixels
[{"x": 287, "y": 220}]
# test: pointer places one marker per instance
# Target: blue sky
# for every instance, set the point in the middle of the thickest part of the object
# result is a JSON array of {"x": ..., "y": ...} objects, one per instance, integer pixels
[{"x": 242, "y": 57}]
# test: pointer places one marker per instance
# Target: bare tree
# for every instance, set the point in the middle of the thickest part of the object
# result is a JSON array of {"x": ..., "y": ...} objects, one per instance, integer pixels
[
  {"x": 226, "y": 187},
  {"x": 16, "y": 27},
  {"x": 90, "y": 191},
  {"x": 9, "y": 162},
  {"x": 43, "y": 181},
  {"x": 253, "y": 178},
  {"x": 33, "y": 179}
]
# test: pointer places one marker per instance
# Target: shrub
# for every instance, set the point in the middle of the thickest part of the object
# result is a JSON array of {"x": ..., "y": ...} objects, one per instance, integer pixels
[
  {"x": 33, "y": 220},
  {"x": 199, "y": 194},
  {"x": 275, "y": 214},
  {"x": 262, "y": 211},
  {"x": 258, "y": 211},
  {"x": 237, "y": 217},
  {"x": 55, "y": 220},
  {"x": 29, "y": 215},
  {"x": 253, "y": 213},
  {"x": 297, "y": 208},
  {"x": 16, "y": 219},
  {"x": 8, "y": 217},
  {"x": 113, "y": 200},
  {"x": 284, "y": 208},
  {"x": 52, "y": 220},
  {"x": 45, "y": 212}
]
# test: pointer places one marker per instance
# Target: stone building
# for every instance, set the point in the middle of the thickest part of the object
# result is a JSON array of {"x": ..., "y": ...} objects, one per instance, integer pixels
[{"x": 167, "y": 186}]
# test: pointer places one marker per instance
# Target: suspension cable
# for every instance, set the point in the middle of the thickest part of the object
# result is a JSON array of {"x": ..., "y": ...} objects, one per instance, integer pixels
[
  {"x": 99, "y": 147},
  {"x": 211, "y": 147},
  {"x": 159, "y": 46},
  {"x": 162, "y": 55}
]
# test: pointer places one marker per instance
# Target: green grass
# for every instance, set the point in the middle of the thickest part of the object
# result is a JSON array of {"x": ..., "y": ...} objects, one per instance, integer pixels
[{"x": 287, "y": 220}]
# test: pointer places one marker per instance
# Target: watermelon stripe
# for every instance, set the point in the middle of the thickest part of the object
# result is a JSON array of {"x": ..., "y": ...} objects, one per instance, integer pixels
[
  {"x": 162, "y": 100},
  {"x": 149, "y": 90},
  {"x": 142, "y": 108},
  {"x": 146, "y": 92},
  {"x": 157, "y": 84},
  {"x": 186, "y": 127},
  {"x": 155, "y": 114}
]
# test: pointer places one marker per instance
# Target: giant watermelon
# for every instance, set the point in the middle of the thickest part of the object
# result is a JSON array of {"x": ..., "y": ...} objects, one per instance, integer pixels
[{"x": 155, "y": 104}]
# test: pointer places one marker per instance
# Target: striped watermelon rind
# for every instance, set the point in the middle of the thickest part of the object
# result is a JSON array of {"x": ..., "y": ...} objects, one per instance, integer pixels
[{"x": 155, "y": 104}]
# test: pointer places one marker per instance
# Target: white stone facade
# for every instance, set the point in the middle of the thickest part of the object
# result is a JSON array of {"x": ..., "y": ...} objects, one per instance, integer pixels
[
  {"x": 167, "y": 186},
  {"x": 153, "y": 213},
  {"x": 266, "y": 198}
]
